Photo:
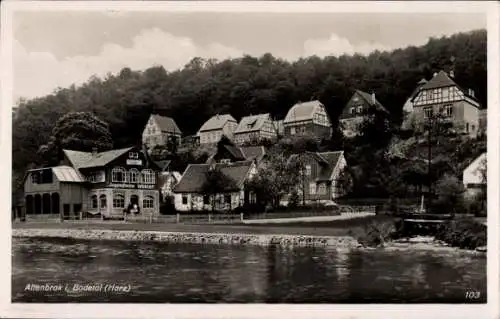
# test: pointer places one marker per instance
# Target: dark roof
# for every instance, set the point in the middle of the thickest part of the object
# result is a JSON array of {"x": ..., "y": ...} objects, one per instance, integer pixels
[
  {"x": 166, "y": 124},
  {"x": 87, "y": 159},
  {"x": 439, "y": 81},
  {"x": 235, "y": 151},
  {"x": 253, "y": 152},
  {"x": 63, "y": 173},
  {"x": 369, "y": 99},
  {"x": 327, "y": 160},
  {"x": 163, "y": 165},
  {"x": 195, "y": 175}
]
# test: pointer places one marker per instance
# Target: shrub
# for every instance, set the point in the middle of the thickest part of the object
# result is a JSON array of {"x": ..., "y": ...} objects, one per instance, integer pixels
[
  {"x": 377, "y": 233},
  {"x": 463, "y": 233}
]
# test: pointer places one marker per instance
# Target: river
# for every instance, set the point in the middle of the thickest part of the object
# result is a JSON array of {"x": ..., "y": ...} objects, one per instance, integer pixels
[{"x": 182, "y": 273}]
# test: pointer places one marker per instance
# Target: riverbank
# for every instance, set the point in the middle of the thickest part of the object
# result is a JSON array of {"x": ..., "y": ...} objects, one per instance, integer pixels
[{"x": 189, "y": 238}]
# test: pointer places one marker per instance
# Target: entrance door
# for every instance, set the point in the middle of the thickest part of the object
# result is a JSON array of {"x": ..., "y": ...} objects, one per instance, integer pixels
[{"x": 134, "y": 200}]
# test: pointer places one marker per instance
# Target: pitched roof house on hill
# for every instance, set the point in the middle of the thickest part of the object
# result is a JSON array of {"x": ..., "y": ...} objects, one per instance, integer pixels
[
  {"x": 159, "y": 129},
  {"x": 474, "y": 175},
  {"x": 255, "y": 128},
  {"x": 308, "y": 118},
  {"x": 217, "y": 126},
  {"x": 355, "y": 111},
  {"x": 442, "y": 95},
  {"x": 190, "y": 193}
]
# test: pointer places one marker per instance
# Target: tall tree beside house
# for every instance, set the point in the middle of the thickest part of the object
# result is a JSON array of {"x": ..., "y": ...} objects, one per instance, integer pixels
[
  {"x": 275, "y": 178},
  {"x": 449, "y": 193},
  {"x": 217, "y": 183},
  {"x": 80, "y": 131}
]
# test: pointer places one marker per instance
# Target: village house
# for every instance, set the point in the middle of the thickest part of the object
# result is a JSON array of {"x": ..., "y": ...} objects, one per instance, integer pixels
[
  {"x": 474, "y": 176},
  {"x": 189, "y": 194},
  {"x": 308, "y": 118},
  {"x": 159, "y": 130},
  {"x": 355, "y": 112},
  {"x": 255, "y": 128},
  {"x": 217, "y": 126},
  {"x": 227, "y": 152},
  {"x": 319, "y": 179},
  {"x": 93, "y": 182},
  {"x": 442, "y": 95}
]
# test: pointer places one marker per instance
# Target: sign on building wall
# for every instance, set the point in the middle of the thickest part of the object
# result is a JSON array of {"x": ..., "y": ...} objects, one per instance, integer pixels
[
  {"x": 134, "y": 162},
  {"x": 133, "y": 186}
]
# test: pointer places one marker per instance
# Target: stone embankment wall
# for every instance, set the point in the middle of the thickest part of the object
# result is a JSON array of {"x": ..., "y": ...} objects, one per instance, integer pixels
[{"x": 191, "y": 238}]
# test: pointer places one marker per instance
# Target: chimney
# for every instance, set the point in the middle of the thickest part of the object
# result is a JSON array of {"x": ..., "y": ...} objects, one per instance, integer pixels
[
  {"x": 374, "y": 100},
  {"x": 452, "y": 74},
  {"x": 435, "y": 73}
]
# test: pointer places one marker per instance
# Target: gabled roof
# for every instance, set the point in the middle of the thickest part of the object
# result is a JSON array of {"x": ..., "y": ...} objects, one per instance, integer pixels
[
  {"x": 195, "y": 175},
  {"x": 369, "y": 99},
  {"x": 166, "y": 124},
  {"x": 327, "y": 160},
  {"x": 252, "y": 123},
  {"x": 476, "y": 162},
  {"x": 440, "y": 80},
  {"x": 87, "y": 159},
  {"x": 64, "y": 174},
  {"x": 302, "y": 111},
  {"x": 217, "y": 122}
]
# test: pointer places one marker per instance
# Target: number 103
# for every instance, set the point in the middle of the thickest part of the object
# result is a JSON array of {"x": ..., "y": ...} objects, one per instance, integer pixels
[{"x": 472, "y": 294}]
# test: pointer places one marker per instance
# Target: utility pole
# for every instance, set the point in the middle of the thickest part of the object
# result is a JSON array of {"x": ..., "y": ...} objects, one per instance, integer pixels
[{"x": 429, "y": 159}]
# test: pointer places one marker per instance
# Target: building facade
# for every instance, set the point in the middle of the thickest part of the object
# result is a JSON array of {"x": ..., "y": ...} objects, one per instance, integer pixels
[
  {"x": 217, "y": 126},
  {"x": 159, "y": 130},
  {"x": 190, "y": 196},
  {"x": 474, "y": 176},
  {"x": 355, "y": 111},
  {"x": 442, "y": 96},
  {"x": 320, "y": 176},
  {"x": 106, "y": 183},
  {"x": 308, "y": 119},
  {"x": 255, "y": 128}
]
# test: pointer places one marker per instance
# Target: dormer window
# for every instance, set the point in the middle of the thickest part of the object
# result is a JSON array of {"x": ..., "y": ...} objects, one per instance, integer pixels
[
  {"x": 353, "y": 110},
  {"x": 225, "y": 161},
  {"x": 118, "y": 175},
  {"x": 35, "y": 177}
]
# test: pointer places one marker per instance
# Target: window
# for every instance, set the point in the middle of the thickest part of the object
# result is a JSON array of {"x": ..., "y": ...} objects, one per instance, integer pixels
[
  {"x": 467, "y": 127},
  {"x": 93, "y": 202},
  {"x": 312, "y": 188},
  {"x": 445, "y": 92},
  {"x": 184, "y": 199},
  {"x": 118, "y": 201},
  {"x": 96, "y": 177},
  {"x": 35, "y": 177},
  {"x": 206, "y": 200},
  {"x": 292, "y": 130},
  {"x": 428, "y": 112},
  {"x": 353, "y": 110},
  {"x": 227, "y": 199},
  {"x": 103, "y": 201},
  {"x": 118, "y": 175},
  {"x": 148, "y": 202},
  {"x": 148, "y": 176},
  {"x": 252, "y": 198},
  {"x": 449, "y": 111},
  {"x": 472, "y": 127},
  {"x": 308, "y": 170},
  {"x": 360, "y": 109},
  {"x": 322, "y": 189},
  {"x": 225, "y": 161},
  {"x": 134, "y": 176}
]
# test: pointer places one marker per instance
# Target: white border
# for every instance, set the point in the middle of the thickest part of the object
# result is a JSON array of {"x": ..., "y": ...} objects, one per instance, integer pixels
[{"x": 255, "y": 310}]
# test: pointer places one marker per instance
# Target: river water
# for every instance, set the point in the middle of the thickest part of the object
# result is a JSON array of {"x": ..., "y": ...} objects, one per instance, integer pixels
[{"x": 186, "y": 273}]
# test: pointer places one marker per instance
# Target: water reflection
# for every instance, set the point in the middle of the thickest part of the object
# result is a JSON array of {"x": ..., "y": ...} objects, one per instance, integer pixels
[{"x": 209, "y": 273}]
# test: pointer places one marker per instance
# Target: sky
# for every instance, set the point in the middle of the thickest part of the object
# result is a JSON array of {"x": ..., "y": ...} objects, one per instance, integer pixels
[{"x": 57, "y": 49}]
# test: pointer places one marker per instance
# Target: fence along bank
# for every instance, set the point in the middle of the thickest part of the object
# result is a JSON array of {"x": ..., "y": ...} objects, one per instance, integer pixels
[{"x": 104, "y": 183}]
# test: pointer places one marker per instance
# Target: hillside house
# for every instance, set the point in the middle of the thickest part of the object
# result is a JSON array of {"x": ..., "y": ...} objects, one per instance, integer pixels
[
  {"x": 217, "y": 126},
  {"x": 93, "y": 182},
  {"x": 319, "y": 180},
  {"x": 442, "y": 95},
  {"x": 474, "y": 176},
  {"x": 228, "y": 152},
  {"x": 308, "y": 118},
  {"x": 189, "y": 193},
  {"x": 159, "y": 130},
  {"x": 255, "y": 128},
  {"x": 167, "y": 179},
  {"x": 355, "y": 111}
]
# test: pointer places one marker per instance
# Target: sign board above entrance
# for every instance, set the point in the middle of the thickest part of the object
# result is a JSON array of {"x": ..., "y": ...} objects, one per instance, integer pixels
[
  {"x": 135, "y": 186},
  {"x": 134, "y": 162}
]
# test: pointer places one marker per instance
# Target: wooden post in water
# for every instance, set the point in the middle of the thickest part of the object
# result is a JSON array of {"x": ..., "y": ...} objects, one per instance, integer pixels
[{"x": 241, "y": 217}]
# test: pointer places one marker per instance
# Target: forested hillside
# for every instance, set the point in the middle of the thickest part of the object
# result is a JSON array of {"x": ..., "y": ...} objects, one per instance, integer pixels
[{"x": 246, "y": 85}]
